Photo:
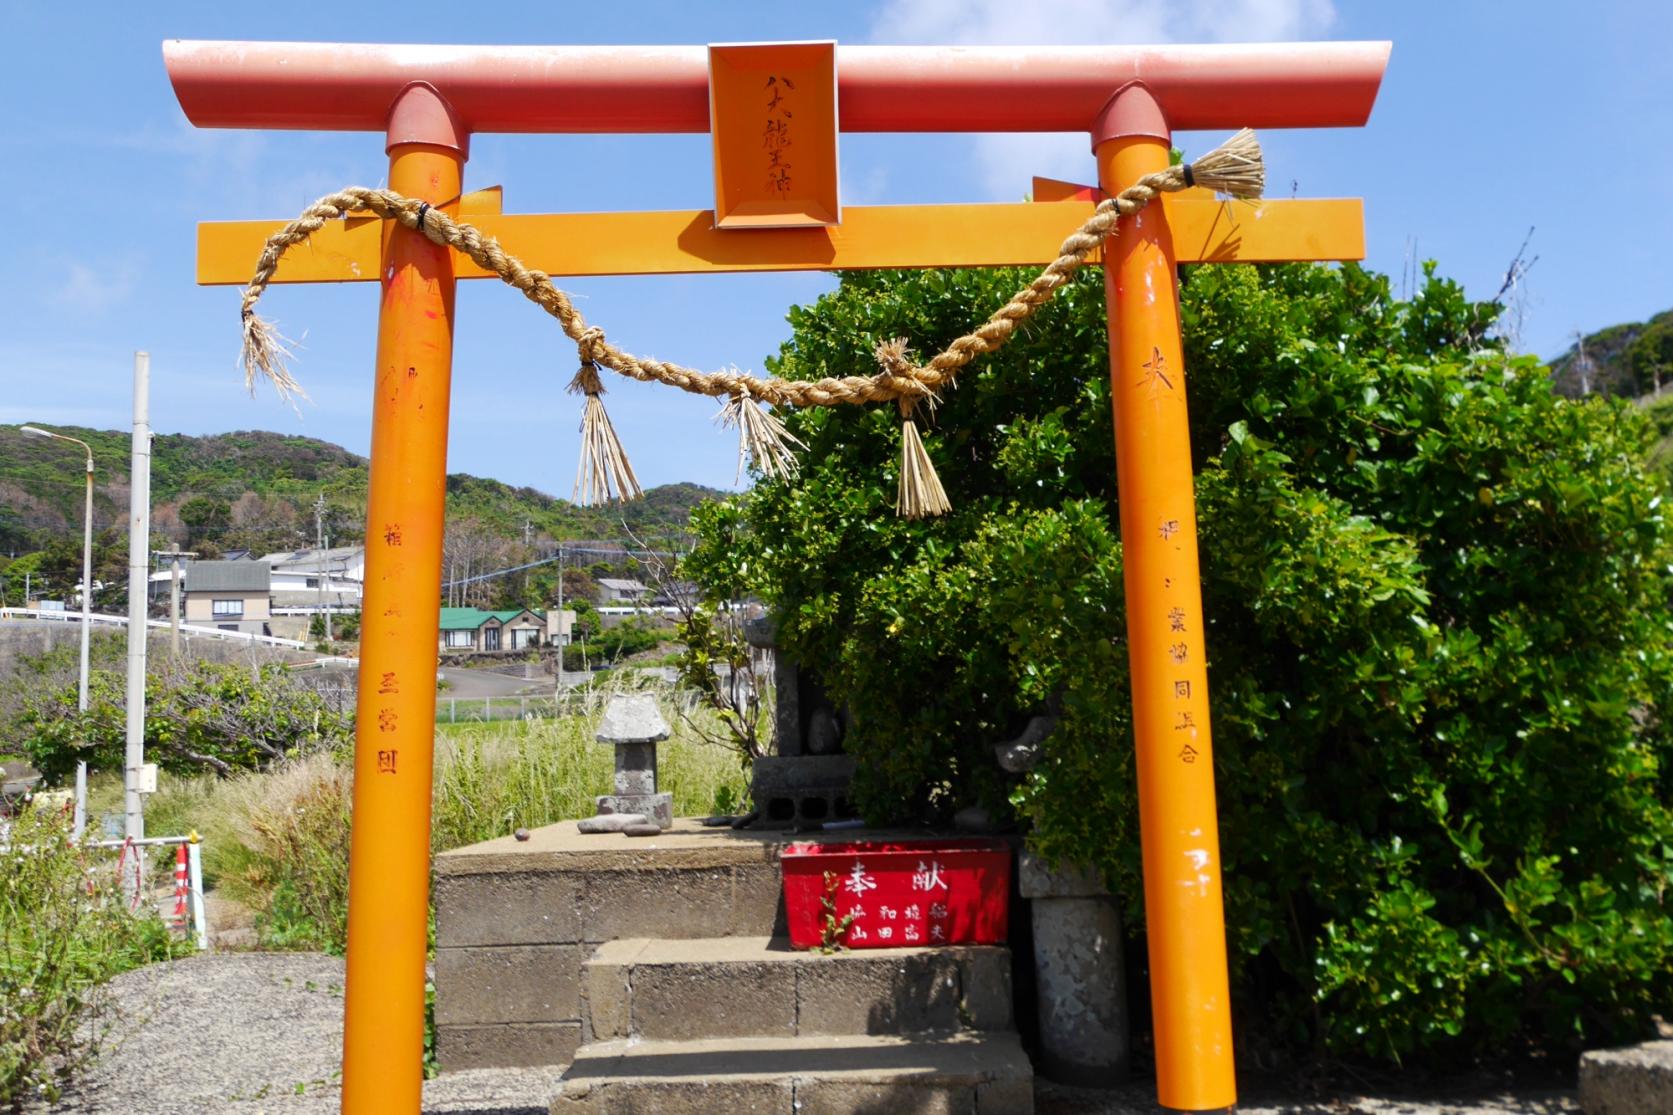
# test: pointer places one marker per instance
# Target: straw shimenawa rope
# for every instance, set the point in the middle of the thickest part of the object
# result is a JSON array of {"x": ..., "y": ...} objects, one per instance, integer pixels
[{"x": 1233, "y": 168}]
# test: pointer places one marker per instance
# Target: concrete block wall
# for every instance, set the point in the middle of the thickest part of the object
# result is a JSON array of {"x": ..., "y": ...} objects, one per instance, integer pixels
[{"x": 516, "y": 922}]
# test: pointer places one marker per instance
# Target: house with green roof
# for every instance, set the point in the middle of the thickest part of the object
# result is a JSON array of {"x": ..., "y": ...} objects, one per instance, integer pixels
[{"x": 475, "y": 629}]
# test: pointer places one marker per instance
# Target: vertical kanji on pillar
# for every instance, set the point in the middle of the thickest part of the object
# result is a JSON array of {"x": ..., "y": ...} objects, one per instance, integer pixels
[
  {"x": 389, "y": 859},
  {"x": 1184, "y": 920}
]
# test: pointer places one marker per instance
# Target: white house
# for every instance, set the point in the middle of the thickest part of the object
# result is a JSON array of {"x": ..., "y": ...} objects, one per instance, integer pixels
[
  {"x": 619, "y": 590},
  {"x": 297, "y": 575}
]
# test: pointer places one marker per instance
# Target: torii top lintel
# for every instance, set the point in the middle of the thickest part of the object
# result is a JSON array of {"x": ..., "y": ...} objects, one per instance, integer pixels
[{"x": 664, "y": 89}]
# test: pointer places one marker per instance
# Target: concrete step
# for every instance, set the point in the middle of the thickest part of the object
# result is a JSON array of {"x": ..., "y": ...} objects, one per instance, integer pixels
[
  {"x": 964, "y": 1074},
  {"x": 725, "y": 987}
]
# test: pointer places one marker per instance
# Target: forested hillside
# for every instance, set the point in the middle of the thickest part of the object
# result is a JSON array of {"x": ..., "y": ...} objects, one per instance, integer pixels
[
  {"x": 1632, "y": 359},
  {"x": 253, "y": 489},
  {"x": 256, "y": 490}
]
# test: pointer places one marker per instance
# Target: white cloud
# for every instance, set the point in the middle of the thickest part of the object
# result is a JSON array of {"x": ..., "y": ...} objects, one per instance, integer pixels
[
  {"x": 94, "y": 289},
  {"x": 1005, "y": 162}
]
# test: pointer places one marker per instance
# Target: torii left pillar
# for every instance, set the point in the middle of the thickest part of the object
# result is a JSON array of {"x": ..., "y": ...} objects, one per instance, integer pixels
[{"x": 389, "y": 855}]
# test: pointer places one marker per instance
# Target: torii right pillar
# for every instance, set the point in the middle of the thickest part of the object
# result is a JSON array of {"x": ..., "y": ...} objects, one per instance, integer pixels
[{"x": 1184, "y": 917}]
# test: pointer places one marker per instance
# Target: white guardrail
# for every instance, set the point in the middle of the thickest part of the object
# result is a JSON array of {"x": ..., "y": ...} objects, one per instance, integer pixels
[{"x": 157, "y": 624}]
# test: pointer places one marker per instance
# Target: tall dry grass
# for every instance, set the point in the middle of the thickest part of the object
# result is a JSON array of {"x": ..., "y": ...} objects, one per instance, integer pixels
[{"x": 278, "y": 840}]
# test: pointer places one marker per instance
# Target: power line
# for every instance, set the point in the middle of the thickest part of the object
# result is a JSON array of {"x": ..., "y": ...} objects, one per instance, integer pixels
[{"x": 562, "y": 550}]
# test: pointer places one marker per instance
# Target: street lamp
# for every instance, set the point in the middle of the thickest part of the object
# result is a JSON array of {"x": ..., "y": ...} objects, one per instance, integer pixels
[{"x": 86, "y": 555}]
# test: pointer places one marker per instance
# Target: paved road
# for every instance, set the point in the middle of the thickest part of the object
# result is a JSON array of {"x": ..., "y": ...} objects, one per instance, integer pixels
[{"x": 474, "y": 685}]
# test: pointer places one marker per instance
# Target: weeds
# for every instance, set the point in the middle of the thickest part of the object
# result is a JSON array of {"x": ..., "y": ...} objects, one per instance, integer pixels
[
  {"x": 64, "y": 930},
  {"x": 278, "y": 841}
]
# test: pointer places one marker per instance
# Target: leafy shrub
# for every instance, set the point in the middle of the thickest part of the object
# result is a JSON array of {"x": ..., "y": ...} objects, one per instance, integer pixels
[
  {"x": 64, "y": 930},
  {"x": 633, "y": 636},
  {"x": 203, "y": 715},
  {"x": 1439, "y": 629}
]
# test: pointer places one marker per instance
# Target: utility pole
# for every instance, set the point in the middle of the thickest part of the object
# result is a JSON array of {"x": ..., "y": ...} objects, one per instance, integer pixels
[
  {"x": 324, "y": 573},
  {"x": 1583, "y": 364},
  {"x": 562, "y": 645},
  {"x": 139, "y": 572},
  {"x": 176, "y": 553}
]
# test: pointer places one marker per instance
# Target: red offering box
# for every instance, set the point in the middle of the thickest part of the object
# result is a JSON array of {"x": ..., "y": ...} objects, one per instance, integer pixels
[{"x": 902, "y": 895}]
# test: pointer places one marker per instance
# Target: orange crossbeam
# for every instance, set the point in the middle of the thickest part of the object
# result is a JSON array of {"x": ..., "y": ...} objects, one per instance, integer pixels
[{"x": 885, "y": 236}]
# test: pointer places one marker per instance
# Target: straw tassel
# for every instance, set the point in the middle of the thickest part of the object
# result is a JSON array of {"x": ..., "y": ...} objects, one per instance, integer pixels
[
  {"x": 761, "y": 437},
  {"x": 1235, "y": 167},
  {"x": 265, "y": 353},
  {"x": 921, "y": 495},
  {"x": 604, "y": 474}
]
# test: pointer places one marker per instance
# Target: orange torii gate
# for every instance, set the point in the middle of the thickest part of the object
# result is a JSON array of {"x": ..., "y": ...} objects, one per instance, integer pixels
[{"x": 428, "y": 100}]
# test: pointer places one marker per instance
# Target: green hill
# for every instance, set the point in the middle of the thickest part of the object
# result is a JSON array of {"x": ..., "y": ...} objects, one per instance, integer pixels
[
  {"x": 1629, "y": 359},
  {"x": 254, "y": 489}
]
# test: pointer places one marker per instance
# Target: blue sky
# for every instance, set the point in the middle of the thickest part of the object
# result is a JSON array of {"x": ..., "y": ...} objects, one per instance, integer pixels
[{"x": 1493, "y": 118}]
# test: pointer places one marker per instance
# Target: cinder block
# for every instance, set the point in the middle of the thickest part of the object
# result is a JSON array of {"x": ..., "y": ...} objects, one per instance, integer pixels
[
  {"x": 510, "y": 908},
  {"x": 985, "y": 985},
  {"x": 878, "y": 993},
  {"x": 508, "y": 983},
  {"x": 670, "y": 904},
  {"x": 680, "y": 1002},
  {"x": 842, "y": 1097},
  {"x": 514, "y": 1046},
  {"x": 757, "y": 901},
  {"x": 608, "y": 1009},
  {"x": 1005, "y": 1097}
]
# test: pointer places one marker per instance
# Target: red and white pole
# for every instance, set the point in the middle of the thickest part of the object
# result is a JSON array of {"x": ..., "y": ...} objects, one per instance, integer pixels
[{"x": 181, "y": 887}]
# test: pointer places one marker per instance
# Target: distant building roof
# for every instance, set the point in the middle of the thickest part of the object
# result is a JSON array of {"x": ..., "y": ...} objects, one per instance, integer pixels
[
  {"x": 618, "y": 584},
  {"x": 463, "y": 619},
  {"x": 229, "y": 576},
  {"x": 337, "y": 559},
  {"x": 469, "y": 619}
]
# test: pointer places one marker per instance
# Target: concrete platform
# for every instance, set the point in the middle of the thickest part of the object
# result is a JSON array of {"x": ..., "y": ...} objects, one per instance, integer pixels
[
  {"x": 562, "y": 847},
  {"x": 515, "y": 921},
  {"x": 964, "y": 1075},
  {"x": 667, "y": 990}
]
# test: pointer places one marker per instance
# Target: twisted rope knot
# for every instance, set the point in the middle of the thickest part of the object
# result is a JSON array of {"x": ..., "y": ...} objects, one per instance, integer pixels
[
  {"x": 590, "y": 344},
  {"x": 900, "y": 377}
]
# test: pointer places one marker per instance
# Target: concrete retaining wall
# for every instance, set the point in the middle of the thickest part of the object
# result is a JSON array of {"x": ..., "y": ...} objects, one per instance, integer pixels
[{"x": 516, "y": 921}]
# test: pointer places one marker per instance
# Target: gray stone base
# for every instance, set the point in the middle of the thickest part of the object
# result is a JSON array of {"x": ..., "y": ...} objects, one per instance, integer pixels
[
  {"x": 1082, "y": 994},
  {"x": 658, "y": 808},
  {"x": 1637, "y": 1080}
]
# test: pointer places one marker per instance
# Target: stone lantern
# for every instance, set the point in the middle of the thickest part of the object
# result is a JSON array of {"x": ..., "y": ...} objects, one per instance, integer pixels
[{"x": 633, "y": 724}]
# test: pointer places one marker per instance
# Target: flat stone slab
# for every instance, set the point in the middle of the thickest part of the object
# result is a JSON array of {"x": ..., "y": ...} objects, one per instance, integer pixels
[
  {"x": 1637, "y": 1079},
  {"x": 632, "y": 718},
  {"x": 610, "y": 822},
  {"x": 684, "y": 844},
  {"x": 801, "y": 1076}
]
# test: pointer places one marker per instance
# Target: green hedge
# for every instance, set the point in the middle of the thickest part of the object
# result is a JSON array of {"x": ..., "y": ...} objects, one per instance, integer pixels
[{"x": 1438, "y": 632}]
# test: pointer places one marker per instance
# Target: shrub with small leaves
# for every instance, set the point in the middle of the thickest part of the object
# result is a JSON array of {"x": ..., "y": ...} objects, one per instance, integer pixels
[{"x": 1441, "y": 650}]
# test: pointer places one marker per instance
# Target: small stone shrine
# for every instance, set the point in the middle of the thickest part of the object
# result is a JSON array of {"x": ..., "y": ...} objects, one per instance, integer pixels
[
  {"x": 633, "y": 724},
  {"x": 805, "y": 780}
]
